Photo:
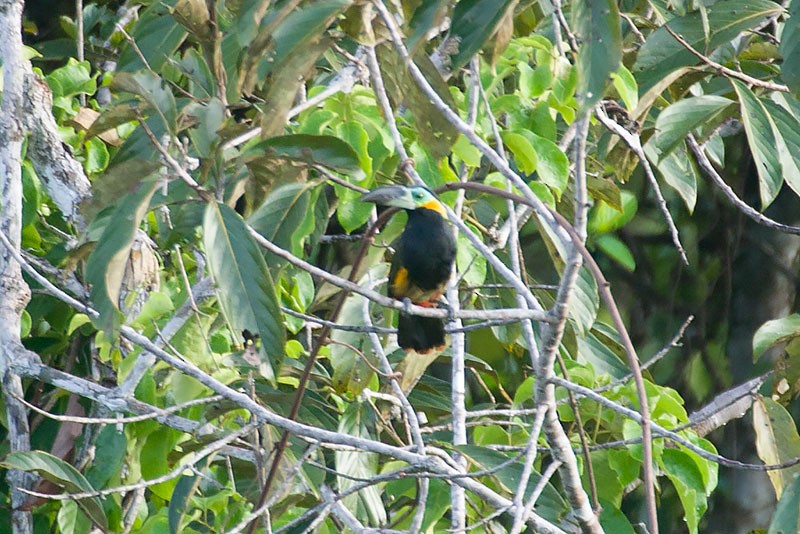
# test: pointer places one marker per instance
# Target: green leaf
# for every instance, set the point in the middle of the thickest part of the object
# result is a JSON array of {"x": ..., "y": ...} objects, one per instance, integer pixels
[
  {"x": 604, "y": 359},
  {"x": 285, "y": 218},
  {"x": 155, "y": 459},
  {"x": 31, "y": 193},
  {"x": 596, "y": 24},
  {"x": 786, "y": 129},
  {"x": 617, "y": 250},
  {"x": 303, "y": 25},
  {"x": 210, "y": 116},
  {"x": 357, "y": 137},
  {"x": 677, "y": 169},
  {"x": 435, "y": 132},
  {"x": 585, "y": 302},
  {"x": 790, "y": 48},
  {"x": 603, "y": 218},
  {"x": 626, "y": 86},
  {"x": 468, "y": 153},
  {"x": 762, "y": 141},
  {"x": 180, "y": 502},
  {"x": 661, "y": 53},
  {"x": 157, "y": 37},
  {"x": 246, "y": 292},
  {"x": 106, "y": 265},
  {"x": 362, "y": 465},
  {"x": 471, "y": 263},
  {"x": 71, "y": 519},
  {"x": 25, "y": 324},
  {"x": 551, "y": 505},
  {"x": 688, "y": 482},
  {"x": 437, "y": 505},
  {"x": 427, "y": 15},
  {"x": 609, "y": 486},
  {"x": 472, "y": 23},
  {"x": 351, "y": 374},
  {"x": 109, "y": 456},
  {"x": 63, "y": 475},
  {"x": 97, "y": 156},
  {"x": 679, "y": 119},
  {"x": 501, "y": 297},
  {"x": 153, "y": 92},
  {"x": 524, "y": 153},
  {"x": 613, "y": 520},
  {"x": 324, "y": 150},
  {"x": 776, "y": 440},
  {"x": 72, "y": 79},
  {"x": 552, "y": 166},
  {"x": 774, "y": 332},
  {"x": 786, "y": 518}
]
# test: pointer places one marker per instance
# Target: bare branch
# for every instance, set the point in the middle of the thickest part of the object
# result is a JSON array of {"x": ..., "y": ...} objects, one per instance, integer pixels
[{"x": 14, "y": 292}]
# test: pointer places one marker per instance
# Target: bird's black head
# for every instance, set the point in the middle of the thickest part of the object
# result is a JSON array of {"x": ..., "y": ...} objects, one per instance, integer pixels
[{"x": 408, "y": 198}]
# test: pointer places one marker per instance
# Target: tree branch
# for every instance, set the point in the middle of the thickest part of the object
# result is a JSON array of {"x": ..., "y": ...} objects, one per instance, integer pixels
[{"x": 14, "y": 292}]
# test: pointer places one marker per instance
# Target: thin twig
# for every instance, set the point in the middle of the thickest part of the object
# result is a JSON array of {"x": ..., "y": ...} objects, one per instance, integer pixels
[
  {"x": 635, "y": 144},
  {"x": 177, "y": 471},
  {"x": 754, "y": 214},
  {"x": 652, "y": 361},
  {"x": 722, "y": 69}
]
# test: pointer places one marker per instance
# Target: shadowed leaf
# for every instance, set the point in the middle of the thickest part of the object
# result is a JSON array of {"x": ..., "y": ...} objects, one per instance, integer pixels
[{"x": 246, "y": 291}]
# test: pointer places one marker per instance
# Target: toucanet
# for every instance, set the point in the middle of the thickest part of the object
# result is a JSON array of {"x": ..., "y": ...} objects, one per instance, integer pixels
[{"x": 422, "y": 261}]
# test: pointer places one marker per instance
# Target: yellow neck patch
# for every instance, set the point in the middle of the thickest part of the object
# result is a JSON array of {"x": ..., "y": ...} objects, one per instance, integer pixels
[{"x": 436, "y": 206}]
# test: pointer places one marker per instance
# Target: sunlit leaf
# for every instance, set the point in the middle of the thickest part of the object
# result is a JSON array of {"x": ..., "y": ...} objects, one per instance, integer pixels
[
  {"x": 524, "y": 153},
  {"x": 762, "y": 141},
  {"x": 686, "y": 478},
  {"x": 774, "y": 332},
  {"x": 776, "y": 441},
  {"x": 603, "y": 218},
  {"x": 626, "y": 86}
]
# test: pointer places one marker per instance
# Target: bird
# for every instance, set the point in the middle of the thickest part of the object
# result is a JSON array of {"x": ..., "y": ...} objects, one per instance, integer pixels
[{"x": 422, "y": 262}]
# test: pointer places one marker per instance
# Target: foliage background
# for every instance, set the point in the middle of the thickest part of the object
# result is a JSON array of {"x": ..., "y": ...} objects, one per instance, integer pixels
[{"x": 152, "y": 100}]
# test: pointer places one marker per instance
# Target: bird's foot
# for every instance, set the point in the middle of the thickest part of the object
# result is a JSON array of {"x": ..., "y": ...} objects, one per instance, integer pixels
[
  {"x": 407, "y": 306},
  {"x": 451, "y": 313}
]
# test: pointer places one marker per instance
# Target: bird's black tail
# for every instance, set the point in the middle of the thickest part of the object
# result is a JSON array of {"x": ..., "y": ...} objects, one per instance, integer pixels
[{"x": 420, "y": 334}]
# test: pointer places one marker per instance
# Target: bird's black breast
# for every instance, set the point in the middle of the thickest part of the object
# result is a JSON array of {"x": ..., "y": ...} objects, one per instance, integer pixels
[{"x": 427, "y": 249}]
